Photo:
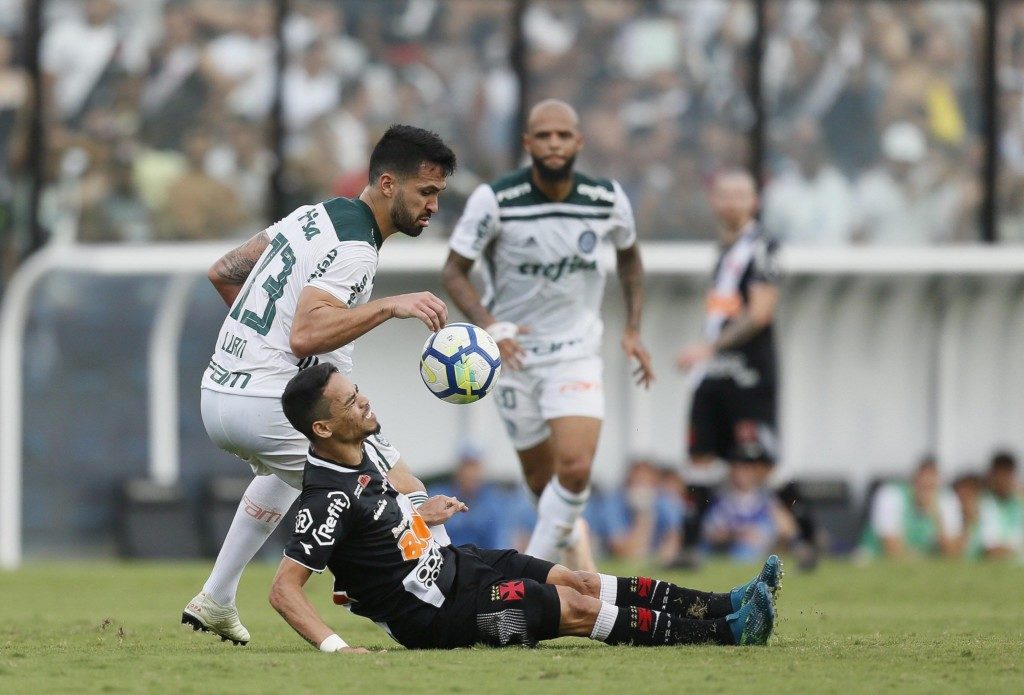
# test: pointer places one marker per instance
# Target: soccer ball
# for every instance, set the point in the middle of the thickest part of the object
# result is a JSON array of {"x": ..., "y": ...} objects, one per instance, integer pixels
[{"x": 460, "y": 363}]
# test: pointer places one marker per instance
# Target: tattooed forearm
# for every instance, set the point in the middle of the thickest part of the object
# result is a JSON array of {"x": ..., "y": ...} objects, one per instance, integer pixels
[
  {"x": 234, "y": 267},
  {"x": 631, "y": 276},
  {"x": 739, "y": 332}
]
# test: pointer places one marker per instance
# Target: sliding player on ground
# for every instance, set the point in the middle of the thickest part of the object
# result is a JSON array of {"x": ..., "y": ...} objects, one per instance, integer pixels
[{"x": 389, "y": 568}]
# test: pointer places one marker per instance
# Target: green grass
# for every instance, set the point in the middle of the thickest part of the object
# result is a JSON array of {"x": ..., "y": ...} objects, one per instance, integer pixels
[{"x": 109, "y": 627}]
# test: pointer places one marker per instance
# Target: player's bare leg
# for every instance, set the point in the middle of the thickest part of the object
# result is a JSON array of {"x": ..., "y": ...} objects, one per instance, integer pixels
[
  {"x": 571, "y": 448},
  {"x": 538, "y": 466}
]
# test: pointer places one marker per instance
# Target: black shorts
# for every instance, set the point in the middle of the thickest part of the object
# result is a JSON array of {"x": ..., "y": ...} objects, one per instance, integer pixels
[
  {"x": 498, "y": 598},
  {"x": 733, "y": 423}
]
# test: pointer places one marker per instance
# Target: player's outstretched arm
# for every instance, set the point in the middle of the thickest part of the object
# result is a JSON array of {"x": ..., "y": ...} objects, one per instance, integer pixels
[
  {"x": 631, "y": 276},
  {"x": 289, "y": 599},
  {"x": 323, "y": 323},
  {"x": 455, "y": 278},
  {"x": 232, "y": 269}
]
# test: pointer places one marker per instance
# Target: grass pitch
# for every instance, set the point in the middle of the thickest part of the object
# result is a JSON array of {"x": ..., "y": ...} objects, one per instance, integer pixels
[{"x": 113, "y": 627}]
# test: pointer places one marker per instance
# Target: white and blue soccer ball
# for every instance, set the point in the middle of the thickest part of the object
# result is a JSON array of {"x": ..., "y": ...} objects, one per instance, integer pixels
[{"x": 460, "y": 363}]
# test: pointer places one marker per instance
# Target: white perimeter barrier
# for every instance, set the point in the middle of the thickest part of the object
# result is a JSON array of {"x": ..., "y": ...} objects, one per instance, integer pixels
[{"x": 886, "y": 352}]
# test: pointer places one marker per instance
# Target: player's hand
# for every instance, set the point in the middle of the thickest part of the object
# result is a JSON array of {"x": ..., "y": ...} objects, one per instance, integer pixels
[
  {"x": 633, "y": 347},
  {"x": 440, "y": 508},
  {"x": 504, "y": 334},
  {"x": 693, "y": 354},
  {"x": 424, "y": 306}
]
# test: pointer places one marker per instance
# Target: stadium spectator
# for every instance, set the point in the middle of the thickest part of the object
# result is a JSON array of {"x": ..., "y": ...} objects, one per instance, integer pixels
[
  {"x": 486, "y": 524},
  {"x": 240, "y": 63},
  {"x": 175, "y": 91},
  {"x": 968, "y": 488},
  {"x": 907, "y": 198},
  {"x": 642, "y": 519},
  {"x": 810, "y": 202},
  {"x": 746, "y": 520},
  {"x": 914, "y": 518},
  {"x": 198, "y": 205},
  {"x": 84, "y": 55},
  {"x": 1001, "y": 512}
]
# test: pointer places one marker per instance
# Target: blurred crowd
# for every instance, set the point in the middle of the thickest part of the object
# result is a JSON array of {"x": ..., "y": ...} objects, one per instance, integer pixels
[
  {"x": 980, "y": 515},
  {"x": 158, "y": 112},
  {"x": 875, "y": 122}
]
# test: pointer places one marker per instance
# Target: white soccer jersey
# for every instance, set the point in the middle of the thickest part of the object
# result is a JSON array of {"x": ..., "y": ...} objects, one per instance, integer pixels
[
  {"x": 331, "y": 246},
  {"x": 540, "y": 258}
]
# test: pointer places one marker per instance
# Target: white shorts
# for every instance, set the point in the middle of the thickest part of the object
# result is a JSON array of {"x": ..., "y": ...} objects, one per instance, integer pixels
[
  {"x": 254, "y": 429},
  {"x": 530, "y": 397}
]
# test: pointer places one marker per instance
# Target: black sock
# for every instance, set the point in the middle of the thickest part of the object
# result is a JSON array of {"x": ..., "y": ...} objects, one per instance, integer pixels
[
  {"x": 646, "y": 627},
  {"x": 665, "y": 596}
]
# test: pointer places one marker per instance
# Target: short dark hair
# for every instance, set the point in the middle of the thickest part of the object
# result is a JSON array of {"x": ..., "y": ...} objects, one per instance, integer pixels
[
  {"x": 404, "y": 148},
  {"x": 1003, "y": 461},
  {"x": 303, "y": 397}
]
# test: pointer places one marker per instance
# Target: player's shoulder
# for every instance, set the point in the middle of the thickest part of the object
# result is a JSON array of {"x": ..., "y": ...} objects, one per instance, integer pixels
[
  {"x": 513, "y": 188},
  {"x": 353, "y": 221},
  {"x": 762, "y": 239},
  {"x": 594, "y": 191}
]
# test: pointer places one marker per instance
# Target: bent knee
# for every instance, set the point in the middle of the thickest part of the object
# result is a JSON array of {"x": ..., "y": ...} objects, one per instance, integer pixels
[
  {"x": 589, "y": 583},
  {"x": 575, "y": 606},
  {"x": 573, "y": 471}
]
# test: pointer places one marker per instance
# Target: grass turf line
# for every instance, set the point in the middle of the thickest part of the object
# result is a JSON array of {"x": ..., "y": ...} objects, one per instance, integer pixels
[{"x": 113, "y": 627}]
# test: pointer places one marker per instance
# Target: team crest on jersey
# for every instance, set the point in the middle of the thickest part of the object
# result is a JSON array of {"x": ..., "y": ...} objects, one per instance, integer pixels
[
  {"x": 587, "y": 241},
  {"x": 362, "y": 482}
]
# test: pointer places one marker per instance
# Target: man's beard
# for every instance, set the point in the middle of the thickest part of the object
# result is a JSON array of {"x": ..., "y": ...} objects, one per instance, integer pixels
[
  {"x": 402, "y": 219},
  {"x": 551, "y": 175}
]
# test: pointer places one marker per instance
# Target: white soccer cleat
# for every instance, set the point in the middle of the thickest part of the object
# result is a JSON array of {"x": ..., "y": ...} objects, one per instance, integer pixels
[{"x": 203, "y": 613}]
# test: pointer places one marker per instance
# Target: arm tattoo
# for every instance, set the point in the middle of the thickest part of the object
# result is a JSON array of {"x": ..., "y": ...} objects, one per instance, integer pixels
[
  {"x": 740, "y": 331},
  {"x": 631, "y": 277},
  {"x": 235, "y": 266}
]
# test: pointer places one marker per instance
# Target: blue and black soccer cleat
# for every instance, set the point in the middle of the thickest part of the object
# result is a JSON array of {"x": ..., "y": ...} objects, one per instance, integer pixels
[
  {"x": 753, "y": 623},
  {"x": 770, "y": 574}
]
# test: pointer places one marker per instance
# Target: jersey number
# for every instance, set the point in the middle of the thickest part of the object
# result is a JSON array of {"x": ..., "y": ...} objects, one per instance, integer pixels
[
  {"x": 274, "y": 286},
  {"x": 415, "y": 540}
]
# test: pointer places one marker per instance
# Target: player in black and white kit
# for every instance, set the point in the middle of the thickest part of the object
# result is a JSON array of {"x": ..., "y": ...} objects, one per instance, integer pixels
[
  {"x": 388, "y": 567},
  {"x": 299, "y": 293},
  {"x": 539, "y": 233},
  {"x": 734, "y": 369},
  {"x": 734, "y": 405}
]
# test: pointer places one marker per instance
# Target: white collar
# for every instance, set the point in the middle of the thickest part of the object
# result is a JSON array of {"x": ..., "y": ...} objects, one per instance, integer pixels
[{"x": 327, "y": 463}]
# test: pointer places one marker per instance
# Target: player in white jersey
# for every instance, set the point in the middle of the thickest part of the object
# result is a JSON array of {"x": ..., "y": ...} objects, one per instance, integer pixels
[
  {"x": 539, "y": 232},
  {"x": 299, "y": 294}
]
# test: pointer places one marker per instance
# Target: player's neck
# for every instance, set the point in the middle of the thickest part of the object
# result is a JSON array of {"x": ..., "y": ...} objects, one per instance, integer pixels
[
  {"x": 380, "y": 212},
  {"x": 729, "y": 235},
  {"x": 347, "y": 454},
  {"x": 553, "y": 190}
]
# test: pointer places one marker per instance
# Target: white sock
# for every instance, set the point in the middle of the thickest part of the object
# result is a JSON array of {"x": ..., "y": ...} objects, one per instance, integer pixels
[
  {"x": 557, "y": 513},
  {"x": 609, "y": 588},
  {"x": 264, "y": 503},
  {"x": 605, "y": 622}
]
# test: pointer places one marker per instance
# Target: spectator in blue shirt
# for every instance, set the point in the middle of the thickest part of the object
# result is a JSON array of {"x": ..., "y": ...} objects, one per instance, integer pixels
[
  {"x": 643, "y": 518},
  {"x": 487, "y": 524}
]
